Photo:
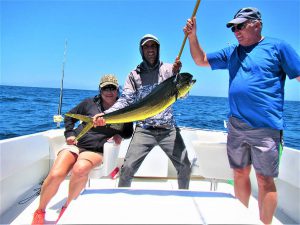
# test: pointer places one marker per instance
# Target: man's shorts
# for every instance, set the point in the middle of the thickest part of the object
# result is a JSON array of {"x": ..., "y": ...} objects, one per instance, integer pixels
[{"x": 257, "y": 146}]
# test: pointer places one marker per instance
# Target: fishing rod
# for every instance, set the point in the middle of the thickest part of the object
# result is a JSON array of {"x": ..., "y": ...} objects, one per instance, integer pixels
[
  {"x": 185, "y": 37},
  {"x": 58, "y": 118}
]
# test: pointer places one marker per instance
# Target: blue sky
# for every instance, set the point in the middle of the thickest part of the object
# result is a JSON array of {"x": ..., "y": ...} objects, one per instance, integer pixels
[{"x": 103, "y": 38}]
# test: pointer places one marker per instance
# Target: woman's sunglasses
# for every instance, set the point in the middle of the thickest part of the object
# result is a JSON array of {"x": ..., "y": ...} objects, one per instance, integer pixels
[{"x": 109, "y": 88}]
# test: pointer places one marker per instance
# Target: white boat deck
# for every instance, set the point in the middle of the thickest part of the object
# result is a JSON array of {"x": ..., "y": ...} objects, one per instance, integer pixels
[{"x": 148, "y": 201}]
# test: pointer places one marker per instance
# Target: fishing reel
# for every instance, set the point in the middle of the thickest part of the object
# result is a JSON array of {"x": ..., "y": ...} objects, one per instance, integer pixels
[{"x": 58, "y": 118}]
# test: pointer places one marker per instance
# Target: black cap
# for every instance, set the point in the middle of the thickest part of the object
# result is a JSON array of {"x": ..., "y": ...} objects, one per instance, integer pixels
[{"x": 248, "y": 13}]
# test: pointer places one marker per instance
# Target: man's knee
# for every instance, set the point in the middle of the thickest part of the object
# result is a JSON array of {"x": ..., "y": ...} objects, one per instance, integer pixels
[
  {"x": 265, "y": 183},
  {"x": 242, "y": 172}
]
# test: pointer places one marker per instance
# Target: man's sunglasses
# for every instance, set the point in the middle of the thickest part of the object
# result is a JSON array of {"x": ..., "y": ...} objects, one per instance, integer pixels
[
  {"x": 240, "y": 26},
  {"x": 109, "y": 88}
]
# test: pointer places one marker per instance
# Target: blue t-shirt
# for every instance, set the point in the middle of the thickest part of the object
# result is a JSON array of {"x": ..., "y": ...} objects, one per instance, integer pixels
[{"x": 257, "y": 75}]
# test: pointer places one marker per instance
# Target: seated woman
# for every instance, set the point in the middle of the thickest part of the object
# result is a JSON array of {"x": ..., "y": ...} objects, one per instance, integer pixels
[{"x": 85, "y": 154}]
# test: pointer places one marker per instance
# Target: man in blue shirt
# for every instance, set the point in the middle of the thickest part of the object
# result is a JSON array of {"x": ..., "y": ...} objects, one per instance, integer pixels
[{"x": 257, "y": 68}]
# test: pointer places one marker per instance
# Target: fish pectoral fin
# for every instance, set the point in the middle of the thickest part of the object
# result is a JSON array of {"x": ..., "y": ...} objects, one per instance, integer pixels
[
  {"x": 176, "y": 94},
  {"x": 85, "y": 129},
  {"x": 83, "y": 118}
]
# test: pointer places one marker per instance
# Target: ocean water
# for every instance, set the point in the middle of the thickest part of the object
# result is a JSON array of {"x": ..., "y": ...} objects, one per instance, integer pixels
[{"x": 27, "y": 110}]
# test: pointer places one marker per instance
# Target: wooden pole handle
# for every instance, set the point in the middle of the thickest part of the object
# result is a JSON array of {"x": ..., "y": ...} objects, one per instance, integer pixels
[{"x": 185, "y": 37}]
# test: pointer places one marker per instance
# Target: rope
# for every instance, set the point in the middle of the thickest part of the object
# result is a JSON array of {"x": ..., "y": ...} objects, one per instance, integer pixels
[{"x": 37, "y": 192}]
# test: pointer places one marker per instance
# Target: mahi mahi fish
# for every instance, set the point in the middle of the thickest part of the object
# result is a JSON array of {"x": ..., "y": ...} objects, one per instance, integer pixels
[{"x": 161, "y": 97}]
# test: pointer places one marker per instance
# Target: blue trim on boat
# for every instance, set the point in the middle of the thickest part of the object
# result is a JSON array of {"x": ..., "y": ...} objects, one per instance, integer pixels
[{"x": 182, "y": 193}]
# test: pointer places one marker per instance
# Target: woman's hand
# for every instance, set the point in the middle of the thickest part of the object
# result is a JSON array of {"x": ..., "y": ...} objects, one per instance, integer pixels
[{"x": 71, "y": 140}]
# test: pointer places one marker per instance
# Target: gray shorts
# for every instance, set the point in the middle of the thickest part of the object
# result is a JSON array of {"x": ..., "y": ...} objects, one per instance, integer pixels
[{"x": 257, "y": 146}]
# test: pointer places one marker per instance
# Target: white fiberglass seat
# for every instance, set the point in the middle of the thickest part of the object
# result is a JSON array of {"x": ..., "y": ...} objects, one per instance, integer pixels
[
  {"x": 212, "y": 161},
  {"x": 110, "y": 161}
]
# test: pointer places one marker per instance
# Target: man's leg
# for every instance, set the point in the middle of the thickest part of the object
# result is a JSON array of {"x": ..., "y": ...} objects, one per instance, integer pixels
[
  {"x": 265, "y": 152},
  {"x": 242, "y": 185},
  {"x": 172, "y": 144},
  {"x": 259, "y": 147},
  {"x": 240, "y": 158},
  {"x": 141, "y": 144},
  {"x": 267, "y": 198}
]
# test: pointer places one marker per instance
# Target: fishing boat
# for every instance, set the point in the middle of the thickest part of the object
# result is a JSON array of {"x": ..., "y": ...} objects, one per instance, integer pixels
[{"x": 153, "y": 198}]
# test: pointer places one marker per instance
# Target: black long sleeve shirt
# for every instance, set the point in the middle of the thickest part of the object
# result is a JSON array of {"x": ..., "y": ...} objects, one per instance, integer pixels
[{"x": 95, "y": 138}]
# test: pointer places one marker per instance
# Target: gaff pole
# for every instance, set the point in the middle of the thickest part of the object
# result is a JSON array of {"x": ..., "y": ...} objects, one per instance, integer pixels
[{"x": 185, "y": 37}]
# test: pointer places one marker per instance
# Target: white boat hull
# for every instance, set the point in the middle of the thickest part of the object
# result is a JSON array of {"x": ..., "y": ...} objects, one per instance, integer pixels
[{"x": 25, "y": 161}]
